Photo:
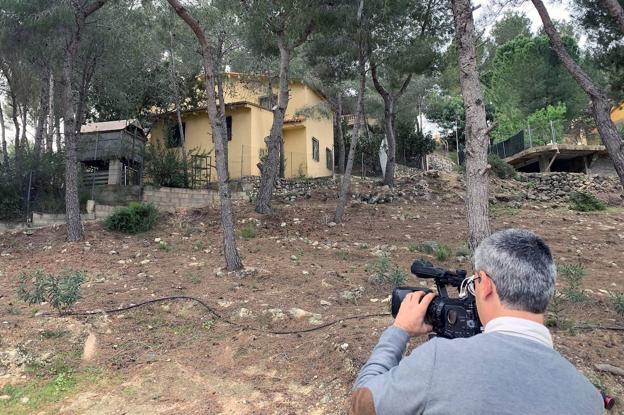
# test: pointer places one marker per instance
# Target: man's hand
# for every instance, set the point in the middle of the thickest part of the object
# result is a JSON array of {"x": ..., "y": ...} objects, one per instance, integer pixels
[{"x": 411, "y": 315}]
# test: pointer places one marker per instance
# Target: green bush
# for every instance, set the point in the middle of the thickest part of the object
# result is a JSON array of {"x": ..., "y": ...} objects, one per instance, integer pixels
[
  {"x": 427, "y": 247},
  {"x": 618, "y": 302},
  {"x": 442, "y": 252},
  {"x": 60, "y": 291},
  {"x": 573, "y": 274},
  {"x": 501, "y": 168},
  {"x": 135, "y": 218},
  {"x": 248, "y": 231},
  {"x": 10, "y": 203},
  {"x": 384, "y": 271},
  {"x": 585, "y": 202}
]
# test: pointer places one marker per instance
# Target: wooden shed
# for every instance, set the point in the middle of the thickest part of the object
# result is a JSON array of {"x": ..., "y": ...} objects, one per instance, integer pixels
[{"x": 112, "y": 152}]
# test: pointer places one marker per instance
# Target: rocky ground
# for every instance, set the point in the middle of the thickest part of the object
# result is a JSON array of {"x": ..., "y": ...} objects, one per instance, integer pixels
[{"x": 303, "y": 270}]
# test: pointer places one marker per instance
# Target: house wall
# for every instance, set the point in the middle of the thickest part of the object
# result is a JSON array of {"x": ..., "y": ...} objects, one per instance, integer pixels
[
  {"x": 240, "y": 88},
  {"x": 251, "y": 124},
  {"x": 198, "y": 136},
  {"x": 323, "y": 130},
  {"x": 617, "y": 115}
]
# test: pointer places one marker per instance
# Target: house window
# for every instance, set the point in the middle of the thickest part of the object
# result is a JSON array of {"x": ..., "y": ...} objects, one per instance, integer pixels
[
  {"x": 329, "y": 158},
  {"x": 174, "y": 139},
  {"x": 228, "y": 123},
  {"x": 315, "y": 149},
  {"x": 265, "y": 101}
]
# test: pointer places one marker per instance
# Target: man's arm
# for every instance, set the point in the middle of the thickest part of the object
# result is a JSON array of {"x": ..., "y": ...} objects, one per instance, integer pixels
[
  {"x": 386, "y": 355},
  {"x": 384, "y": 380},
  {"x": 388, "y": 384}
]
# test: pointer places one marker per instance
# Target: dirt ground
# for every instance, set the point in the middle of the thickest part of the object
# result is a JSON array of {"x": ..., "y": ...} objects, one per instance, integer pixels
[{"x": 177, "y": 358}]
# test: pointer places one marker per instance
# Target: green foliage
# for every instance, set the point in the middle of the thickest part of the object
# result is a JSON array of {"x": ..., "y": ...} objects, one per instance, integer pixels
[
  {"x": 248, "y": 231},
  {"x": 524, "y": 79},
  {"x": 573, "y": 275},
  {"x": 166, "y": 166},
  {"x": 428, "y": 247},
  {"x": 501, "y": 168},
  {"x": 555, "y": 316},
  {"x": 384, "y": 271},
  {"x": 199, "y": 246},
  {"x": 540, "y": 122},
  {"x": 164, "y": 246},
  {"x": 463, "y": 251},
  {"x": 136, "y": 218},
  {"x": 585, "y": 202},
  {"x": 510, "y": 26},
  {"x": 62, "y": 291},
  {"x": 618, "y": 302},
  {"x": 442, "y": 252}
]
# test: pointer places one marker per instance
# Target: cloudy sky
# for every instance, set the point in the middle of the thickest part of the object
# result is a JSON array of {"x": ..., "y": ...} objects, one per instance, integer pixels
[{"x": 492, "y": 8}]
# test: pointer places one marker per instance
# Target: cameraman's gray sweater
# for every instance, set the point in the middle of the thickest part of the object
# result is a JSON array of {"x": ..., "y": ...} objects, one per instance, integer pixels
[{"x": 511, "y": 368}]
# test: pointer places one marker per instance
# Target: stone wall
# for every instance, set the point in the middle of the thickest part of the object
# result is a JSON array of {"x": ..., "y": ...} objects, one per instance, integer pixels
[
  {"x": 548, "y": 186},
  {"x": 170, "y": 198},
  {"x": 46, "y": 219}
]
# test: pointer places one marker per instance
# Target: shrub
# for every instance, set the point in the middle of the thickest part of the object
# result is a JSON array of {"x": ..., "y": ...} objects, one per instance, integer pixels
[
  {"x": 60, "y": 291},
  {"x": 618, "y": 302},
  {"x": 135, "y": 218},
  {"x": 585, "y": 202},
  {"x": 427, "y": 247},
  {"x": 384, "y": 271},
  {"x": 573, "y": 274},
  {"x": 501, "y": 168},
  {"x": 248, "y": 231},
  {"x": 442, "y": 252}
]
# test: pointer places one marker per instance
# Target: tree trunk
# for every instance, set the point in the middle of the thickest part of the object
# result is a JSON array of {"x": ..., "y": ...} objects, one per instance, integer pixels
[
  {"x": 232, "y": 259},
  {"x": 5, "y": 153},
  {"x": 359, "y": 126},
  {"x": 16, "y": 127},
  {"x": 477, "y": 140},
  {"x": 616, "y": 10},
  {"x": 59, "y": 137},
  {"x": 340, "y": 138},
  {"x": 42, "y": 114},
  {"x": 389, "y": 114},
  {"x": 269, "y": 169},
  {"x": 221, "y": 93},
  {"x": 24, "y": 140},
  {"x": 50, "y": 115},
  {"x": 601, "y": 107},
  {"x": 72, "y": 119},
  {"x": 176, "y": 95},
  {"x": 72, "y": 203}
]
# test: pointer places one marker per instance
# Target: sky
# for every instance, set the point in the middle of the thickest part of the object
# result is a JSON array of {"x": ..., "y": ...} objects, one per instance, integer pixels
[{"x": 556, "y": 9}]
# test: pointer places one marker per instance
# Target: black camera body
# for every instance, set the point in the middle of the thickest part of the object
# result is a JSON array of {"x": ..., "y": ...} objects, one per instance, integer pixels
[{"x": 450, "y": 317}]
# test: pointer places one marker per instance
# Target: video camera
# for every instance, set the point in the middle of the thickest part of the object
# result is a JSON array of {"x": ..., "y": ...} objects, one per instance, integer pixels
[{"x": 450, "y": 317}]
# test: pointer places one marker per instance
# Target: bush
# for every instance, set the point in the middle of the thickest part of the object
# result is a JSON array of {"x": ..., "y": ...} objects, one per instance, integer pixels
[
  {"x": 384, "y": 271},
  {"x": 501, "y": 168},
  {"x": 248, "y": 231},
  {"x": 618, "y": 302},
  {"x": 135, "y": 218},
  {"x": 573, "y": 274},
  {"x": 62, "y": 291},
  {"x": 585, "y": 202},
  {"x": 442, "y": 252}
]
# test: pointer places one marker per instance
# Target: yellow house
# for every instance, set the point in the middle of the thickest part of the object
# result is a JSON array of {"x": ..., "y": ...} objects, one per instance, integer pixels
[
  {"x": 617, "y": 114},
  {"x": 308, "y": 140}
]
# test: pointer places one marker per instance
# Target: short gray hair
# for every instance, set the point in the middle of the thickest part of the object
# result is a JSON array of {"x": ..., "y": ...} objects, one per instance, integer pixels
[{"x": 521, "y": 266}]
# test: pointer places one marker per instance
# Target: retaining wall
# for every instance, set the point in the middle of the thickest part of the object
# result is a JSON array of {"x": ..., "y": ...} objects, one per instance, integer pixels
[{"x": 170, "y": 198}]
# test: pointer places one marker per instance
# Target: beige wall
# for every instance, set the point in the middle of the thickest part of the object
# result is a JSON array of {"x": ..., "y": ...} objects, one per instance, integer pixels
[
  {"x": 323, "y": 130},
  {"x": 198, "y": 136},
  {"x": 252, "y": 124}
]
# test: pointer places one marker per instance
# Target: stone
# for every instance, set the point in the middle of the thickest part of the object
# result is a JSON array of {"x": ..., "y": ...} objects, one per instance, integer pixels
[
  {"x": 325, "y": 303},
  {"x": 224, "y": 303},
  {"x": 5, "y": 397},
  {"x": 276, "y": 314},
  {"x": 293, "y": 257},
  {"x": 331, "y": 224},
  {"x": 244, "y": 313},
  {"x": 90, "y": 348}
]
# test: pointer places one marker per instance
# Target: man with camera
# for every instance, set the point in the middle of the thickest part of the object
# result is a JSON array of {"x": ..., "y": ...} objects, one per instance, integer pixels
[{"x": 509, "y": 368}]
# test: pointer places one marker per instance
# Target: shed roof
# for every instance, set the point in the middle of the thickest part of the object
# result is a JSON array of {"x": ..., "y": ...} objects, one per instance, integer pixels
[{"x": 117, "y": 125}]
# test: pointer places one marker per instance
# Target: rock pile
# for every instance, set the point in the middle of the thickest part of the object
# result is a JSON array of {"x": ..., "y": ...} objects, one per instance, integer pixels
[
  {"x": 290, "y": 190},
  {"x": 544, "y": 187},
  {"x": 440, "y": 163}
]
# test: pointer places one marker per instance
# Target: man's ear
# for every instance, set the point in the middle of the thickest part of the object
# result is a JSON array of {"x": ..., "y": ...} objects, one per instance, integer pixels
[{"x": 487, "y": 287}]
